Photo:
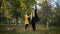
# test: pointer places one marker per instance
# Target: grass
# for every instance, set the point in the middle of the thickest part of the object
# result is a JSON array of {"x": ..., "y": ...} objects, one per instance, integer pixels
[
  {"x": 40, "y": 29},
  {"x": 30, "y": 32},
  {"x": 14, "y": 32}
]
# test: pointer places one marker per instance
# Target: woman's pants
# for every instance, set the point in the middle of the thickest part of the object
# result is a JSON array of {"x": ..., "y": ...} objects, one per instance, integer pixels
[{"x": 33, "y": 26}]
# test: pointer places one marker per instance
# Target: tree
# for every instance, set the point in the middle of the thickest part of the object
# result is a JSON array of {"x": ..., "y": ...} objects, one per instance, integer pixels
[
  {"x": 1, "y": 3},
  {"x": 46, "y": 12},
  {"x": 16, "y": 8}
]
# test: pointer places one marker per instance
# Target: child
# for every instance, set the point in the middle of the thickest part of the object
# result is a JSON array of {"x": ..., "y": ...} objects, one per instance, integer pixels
[{"x": 26, "y": 21}]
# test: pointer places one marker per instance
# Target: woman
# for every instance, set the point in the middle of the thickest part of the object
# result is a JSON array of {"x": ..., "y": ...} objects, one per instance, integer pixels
[{"x": 33, "y": 20}]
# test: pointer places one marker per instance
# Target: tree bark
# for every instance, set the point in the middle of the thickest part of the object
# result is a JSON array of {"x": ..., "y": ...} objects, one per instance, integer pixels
[{"x": 16, "y": 20}]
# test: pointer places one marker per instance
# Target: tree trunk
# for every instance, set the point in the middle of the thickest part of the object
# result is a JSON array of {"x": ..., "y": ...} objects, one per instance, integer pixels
[
  {"x": 47, "y": 24},
  {"x": 17, "y": 21}
]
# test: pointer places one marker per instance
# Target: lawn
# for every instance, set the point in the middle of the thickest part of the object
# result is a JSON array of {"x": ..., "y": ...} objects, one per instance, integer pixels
[{"x": 19, "y": 29}]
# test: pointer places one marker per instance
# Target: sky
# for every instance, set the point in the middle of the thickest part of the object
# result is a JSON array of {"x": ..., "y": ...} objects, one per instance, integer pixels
[
  {"x": 37, "y": 5},
  {"x": 54, "y": 3}
]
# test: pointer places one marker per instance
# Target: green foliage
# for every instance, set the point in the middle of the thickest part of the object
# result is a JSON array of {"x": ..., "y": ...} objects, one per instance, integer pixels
[
  {"x": 24, "y": 6},
  {"x": 20, "y": 7},
  {"x": 50, "y": 15},
  {"x": 16, "y": 8},
  {"x": 46, "y": 11},
  {"x": 1, "y": 12},
  {"x": 56, "y": 17}
]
